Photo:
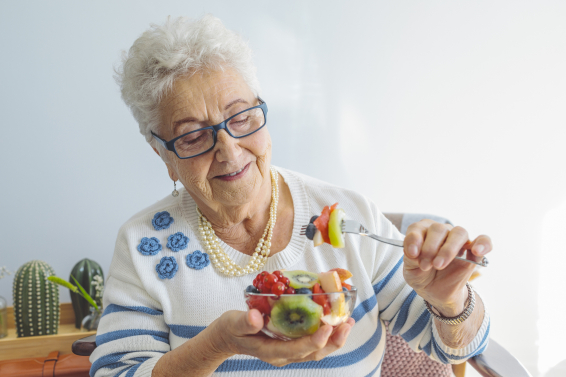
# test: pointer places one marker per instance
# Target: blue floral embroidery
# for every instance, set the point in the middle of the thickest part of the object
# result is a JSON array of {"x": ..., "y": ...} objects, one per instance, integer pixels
[
  {"x": 149, "y": 246},
  {"x": 177, "y": 241},
  {"x": 167, "y": 268},
  {"x": 162, "y": 220},
  {"x": 198, "y": 260}
]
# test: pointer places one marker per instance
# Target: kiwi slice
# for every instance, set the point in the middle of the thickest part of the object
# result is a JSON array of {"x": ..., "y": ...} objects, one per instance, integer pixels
[
  {"x": 296, "y": 316},
  {"x": 335, "y": 228},
  {"x": 301, "y": 279}
]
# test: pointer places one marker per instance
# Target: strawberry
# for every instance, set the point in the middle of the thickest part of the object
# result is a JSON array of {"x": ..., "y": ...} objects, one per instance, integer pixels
[
  {"x": 321, "y": 223},
  {"x": 320, "y": 299},
  {"x": 260, "y": 303}
]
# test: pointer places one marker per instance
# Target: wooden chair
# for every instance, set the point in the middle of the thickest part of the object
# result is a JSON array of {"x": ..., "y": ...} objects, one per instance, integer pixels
[{"x": 495, "y": 361}]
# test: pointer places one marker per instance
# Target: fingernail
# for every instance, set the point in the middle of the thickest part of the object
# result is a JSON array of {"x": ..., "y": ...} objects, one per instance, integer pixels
[
  {"x": 412, "y": 250},
  {"x": 438, "y": 262},
  {"x": 480, "y": 249}
]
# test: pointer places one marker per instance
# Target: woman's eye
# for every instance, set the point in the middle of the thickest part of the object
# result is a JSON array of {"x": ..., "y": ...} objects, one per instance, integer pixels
[
  {"x": 193, "y": 139},
  {"x": 239, "y": 121}
]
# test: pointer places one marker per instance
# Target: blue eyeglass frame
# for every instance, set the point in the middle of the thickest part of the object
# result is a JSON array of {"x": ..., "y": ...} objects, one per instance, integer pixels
[{"x": 170, "y": 145}]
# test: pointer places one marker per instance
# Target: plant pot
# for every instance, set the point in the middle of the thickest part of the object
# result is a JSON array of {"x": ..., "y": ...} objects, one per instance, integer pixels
[
  {"x": 3, "y": 317},
  {"x": 90, "y": 322}
]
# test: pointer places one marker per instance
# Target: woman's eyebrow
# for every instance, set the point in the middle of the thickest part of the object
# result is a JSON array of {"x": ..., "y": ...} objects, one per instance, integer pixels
[
  {"x": 192, "y": 119},
  {"x": 183, "y": 121},
  {"x": 239, "y": 100}
]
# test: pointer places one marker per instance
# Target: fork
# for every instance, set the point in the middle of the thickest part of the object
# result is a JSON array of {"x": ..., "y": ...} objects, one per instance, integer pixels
[{"x": 354, "y": 227}]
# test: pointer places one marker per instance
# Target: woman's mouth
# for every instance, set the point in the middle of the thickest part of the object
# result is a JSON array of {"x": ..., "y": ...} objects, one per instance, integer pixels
[{"x": 235, "y": 175}]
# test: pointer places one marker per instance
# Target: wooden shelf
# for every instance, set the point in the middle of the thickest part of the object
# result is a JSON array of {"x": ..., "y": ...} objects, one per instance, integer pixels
[{"x": 12, "y": 347}]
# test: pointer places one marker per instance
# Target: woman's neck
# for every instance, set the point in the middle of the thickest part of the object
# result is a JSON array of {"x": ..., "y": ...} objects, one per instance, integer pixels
[{"x": 242, "y": 226}]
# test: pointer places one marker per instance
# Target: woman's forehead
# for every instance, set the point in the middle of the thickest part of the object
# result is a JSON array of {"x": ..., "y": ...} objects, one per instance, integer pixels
[{"x": 206, "y": 91}]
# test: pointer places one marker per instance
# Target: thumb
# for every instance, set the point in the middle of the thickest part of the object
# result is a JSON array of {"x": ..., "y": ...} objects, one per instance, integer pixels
[{"x": 248, "y": 323}]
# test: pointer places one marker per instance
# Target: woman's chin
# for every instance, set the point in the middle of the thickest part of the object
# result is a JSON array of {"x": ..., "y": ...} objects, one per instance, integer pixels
[{"x": 239, "y": 191}]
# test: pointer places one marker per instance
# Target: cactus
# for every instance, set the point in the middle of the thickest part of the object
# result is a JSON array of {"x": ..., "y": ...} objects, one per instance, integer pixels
[
  {"x": 86, "y": 272},
  {"x": 36, "y": 300}
]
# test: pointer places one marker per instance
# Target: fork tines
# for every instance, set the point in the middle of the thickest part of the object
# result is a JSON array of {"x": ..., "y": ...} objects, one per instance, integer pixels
[{"x": 303, "y": 230}]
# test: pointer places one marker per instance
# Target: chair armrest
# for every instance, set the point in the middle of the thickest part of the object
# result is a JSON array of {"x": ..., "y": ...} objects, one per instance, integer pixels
[
  {"x": 84, "y": 346},
  {"x": 496, "y": 361}
]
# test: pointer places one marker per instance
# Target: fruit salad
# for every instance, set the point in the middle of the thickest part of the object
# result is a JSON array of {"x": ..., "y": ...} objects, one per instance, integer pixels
[
  {"x": 327, "y": 228},
  {"x": 296, "y": 303}
]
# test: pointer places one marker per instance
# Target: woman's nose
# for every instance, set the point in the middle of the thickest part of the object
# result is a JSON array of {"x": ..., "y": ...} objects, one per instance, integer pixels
[{"x": 227, "y": 147}]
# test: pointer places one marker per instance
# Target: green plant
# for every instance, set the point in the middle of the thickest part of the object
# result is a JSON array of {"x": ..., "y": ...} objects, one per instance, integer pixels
[
  {"x": 36, "y": 300},
  {"x": 3, "y": 305},
  {"x": 4, "y": 271},
  {"x": 78, "y": 289},
  {"x": 89, "y": 274}
]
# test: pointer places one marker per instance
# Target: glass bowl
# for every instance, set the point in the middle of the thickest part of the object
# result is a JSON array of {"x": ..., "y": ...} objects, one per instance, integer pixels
[{"x": 292, "y": 316}]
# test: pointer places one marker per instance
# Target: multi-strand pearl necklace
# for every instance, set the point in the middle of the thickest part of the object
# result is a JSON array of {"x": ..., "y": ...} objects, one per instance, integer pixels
[{"x": 220, "y": 259}]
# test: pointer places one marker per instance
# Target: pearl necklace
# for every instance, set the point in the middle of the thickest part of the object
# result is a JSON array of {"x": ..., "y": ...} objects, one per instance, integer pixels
[{"x": 220, "y": 259}]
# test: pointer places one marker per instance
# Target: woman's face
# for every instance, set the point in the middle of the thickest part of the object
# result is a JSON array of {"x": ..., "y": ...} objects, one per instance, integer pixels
[{"x": 205, "y": 99}]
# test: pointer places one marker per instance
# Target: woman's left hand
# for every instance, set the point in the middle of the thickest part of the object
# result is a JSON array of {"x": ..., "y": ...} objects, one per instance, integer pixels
[{"x": 430, "y": 268}]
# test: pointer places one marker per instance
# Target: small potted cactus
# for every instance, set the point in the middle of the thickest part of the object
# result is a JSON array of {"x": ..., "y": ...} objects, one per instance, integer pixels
[
  {"x": 90, "y": 276},
  {"x": 36, "y": 300}
]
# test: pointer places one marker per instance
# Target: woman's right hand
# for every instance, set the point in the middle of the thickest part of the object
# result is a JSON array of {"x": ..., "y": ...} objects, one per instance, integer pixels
[{"x": 238, "y": 332}]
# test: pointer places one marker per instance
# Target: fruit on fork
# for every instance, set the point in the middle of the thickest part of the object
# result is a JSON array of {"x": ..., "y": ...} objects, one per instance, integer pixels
[{"x": 327, "y": 228}]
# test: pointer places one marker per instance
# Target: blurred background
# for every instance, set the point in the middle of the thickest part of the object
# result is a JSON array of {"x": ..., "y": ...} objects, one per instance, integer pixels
[{"x": 448, "y": 108}]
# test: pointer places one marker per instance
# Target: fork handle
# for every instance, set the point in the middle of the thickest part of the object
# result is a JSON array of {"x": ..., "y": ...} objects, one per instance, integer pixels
[{"x": 483, "y": 263}]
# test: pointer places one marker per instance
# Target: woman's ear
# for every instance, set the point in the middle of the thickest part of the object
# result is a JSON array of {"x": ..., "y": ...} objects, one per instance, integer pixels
[
  {"x": 172, "y": 174},
  {"x": 170, "y": 170}
]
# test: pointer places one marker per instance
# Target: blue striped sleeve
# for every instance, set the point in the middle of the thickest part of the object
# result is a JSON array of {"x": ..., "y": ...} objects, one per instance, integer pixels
[{"x": 132, "y": 334}]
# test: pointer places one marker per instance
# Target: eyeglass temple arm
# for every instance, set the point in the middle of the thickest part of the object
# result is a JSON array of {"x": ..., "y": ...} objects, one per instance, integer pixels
[{"x": 160, "y": 140}]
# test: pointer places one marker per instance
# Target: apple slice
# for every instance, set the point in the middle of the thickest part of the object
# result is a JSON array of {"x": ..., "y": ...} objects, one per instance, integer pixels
[
  {"x": 331, "y": 320},
  {"x": 334, "y": 320},
  {"x": 317, "y": 239},
  {"x": 330, "y": 283},
  {"x": 342, "y": 273}
]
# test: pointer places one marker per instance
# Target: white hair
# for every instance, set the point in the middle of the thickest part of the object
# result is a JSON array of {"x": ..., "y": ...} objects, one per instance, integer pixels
[{"x": 165, "y": 52}]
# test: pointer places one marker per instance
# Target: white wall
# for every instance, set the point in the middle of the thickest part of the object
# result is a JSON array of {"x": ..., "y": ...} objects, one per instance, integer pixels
[{"x": 442, "y": 107}]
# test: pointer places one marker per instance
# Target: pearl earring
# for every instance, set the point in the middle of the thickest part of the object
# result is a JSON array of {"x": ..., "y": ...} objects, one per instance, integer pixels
[{"x": 175, "y": 193}]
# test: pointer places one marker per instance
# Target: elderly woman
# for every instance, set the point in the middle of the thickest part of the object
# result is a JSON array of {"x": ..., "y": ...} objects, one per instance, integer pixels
[{"x": 174, "y": 295}]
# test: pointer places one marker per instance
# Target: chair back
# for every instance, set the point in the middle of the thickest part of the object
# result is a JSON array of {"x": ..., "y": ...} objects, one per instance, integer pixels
[{"x": 399, "y": 359}]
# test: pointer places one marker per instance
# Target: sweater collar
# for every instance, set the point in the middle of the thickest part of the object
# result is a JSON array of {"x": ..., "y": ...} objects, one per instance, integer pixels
[{"x": 296, "y": 246}]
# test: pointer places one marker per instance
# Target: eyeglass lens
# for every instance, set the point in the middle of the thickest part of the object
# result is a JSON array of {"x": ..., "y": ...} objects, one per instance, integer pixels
[{"x": 199, "y": 141}]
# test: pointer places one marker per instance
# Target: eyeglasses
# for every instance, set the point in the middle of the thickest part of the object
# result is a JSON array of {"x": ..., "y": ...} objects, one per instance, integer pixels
[{"x": 199, "y": 141}]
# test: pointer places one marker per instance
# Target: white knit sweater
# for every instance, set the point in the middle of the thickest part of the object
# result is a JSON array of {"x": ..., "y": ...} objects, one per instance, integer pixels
[{"x": 146, "y": 316}]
